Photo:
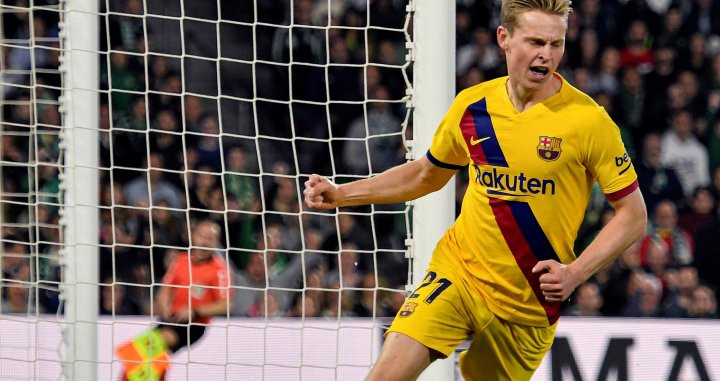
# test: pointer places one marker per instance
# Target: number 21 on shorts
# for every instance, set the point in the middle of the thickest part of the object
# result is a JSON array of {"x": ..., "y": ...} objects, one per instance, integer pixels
[{"x": 439, "y": 285}]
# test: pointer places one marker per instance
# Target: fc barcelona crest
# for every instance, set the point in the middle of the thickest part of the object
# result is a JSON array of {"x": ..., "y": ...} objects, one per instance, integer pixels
[
  {"x": 408, "y": 309},
  {"x": 549, "y": 148}
]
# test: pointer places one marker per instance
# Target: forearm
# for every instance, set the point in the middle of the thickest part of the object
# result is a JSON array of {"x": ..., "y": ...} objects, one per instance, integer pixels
[
  {"x": 216, "y": 308},
  {"x": 405, "y": 182},
  {"x": 162, "y": 301},
  {"x": 624, "y": 228}
]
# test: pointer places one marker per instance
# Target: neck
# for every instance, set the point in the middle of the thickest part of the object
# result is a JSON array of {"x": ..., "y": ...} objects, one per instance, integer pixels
[{"x": 523, "y": 98}]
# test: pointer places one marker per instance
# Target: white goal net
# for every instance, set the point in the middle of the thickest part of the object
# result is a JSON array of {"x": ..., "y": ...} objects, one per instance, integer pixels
[{"x": 206, "y": 110}]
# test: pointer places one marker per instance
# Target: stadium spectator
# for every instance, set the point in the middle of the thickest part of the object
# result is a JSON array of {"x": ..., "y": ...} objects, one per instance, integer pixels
[
  {"x": 637, "y": 53},
  {"x": 688, "y": 279},
  {"x": 645, "y": 292},
  {"x": 704, "y": 17},
  {"x": 683, "y": 153},
  {"x": 606, "y": 79},
  {"x": 656, "y": 83},
  {"x": 252, "y": 282},
  {"x": 674, "y": 33},
  {"x": 350, "y": 231},
  {"x": 693, "y": 96},
  {"x": 657, "y": 181},
  {"x": 714, "y": 78},
  {"x": 703, "y": 303},
  {"x": 165, "y": 140},
  {"x": 695, "y": 60},
  {"x": 115, "y": 301},
  {"x": 588, "y": 301},
  {"x": 481, "y": 53},
  {"x": 168, "y": 228},
  {"x": 701, "y": 212},
  {"x": 630, "y": 103},
  {"x": 194, "y": 112},
  {"x": 139, "y": 191},
  {"x": 657, "y": 258},
  {"x": 135, "y": 118},
  {"x": 243, "y": 188},
  {"x": 368, "y": 140},
  {"x": 675, "y": 302},
  {"x": 17, "y": 271},
  {"x": 664, "y": 227},
  {"x": 679, "y": 287},
  {"x": 127, "y": 33},
  {"x": 207, "y": 143}
]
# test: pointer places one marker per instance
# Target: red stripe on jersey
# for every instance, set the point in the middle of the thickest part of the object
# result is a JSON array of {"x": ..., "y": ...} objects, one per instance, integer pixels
[
  {"x": 614, "y": 196},
  {"x": 467, "y": 125},
  {"x": 523, "y": 254}
]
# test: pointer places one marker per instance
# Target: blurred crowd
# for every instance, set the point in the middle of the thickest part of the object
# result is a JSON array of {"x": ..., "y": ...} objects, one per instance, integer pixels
[{"x": 211, "y": 117}]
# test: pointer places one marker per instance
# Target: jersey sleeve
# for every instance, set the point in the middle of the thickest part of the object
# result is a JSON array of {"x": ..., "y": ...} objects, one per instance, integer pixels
[
  {"x": 448, "y": 146},
  {"x": 607, "y": 159}
]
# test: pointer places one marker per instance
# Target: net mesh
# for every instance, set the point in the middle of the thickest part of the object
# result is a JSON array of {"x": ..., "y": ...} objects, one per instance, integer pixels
[
  {"x": 30, "y": 197},
  {"x": 213, "y": 111}
]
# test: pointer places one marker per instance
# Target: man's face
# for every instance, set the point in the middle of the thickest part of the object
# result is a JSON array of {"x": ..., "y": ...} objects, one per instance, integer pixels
[
  {"x": 204, "y": 236},
  {"x": 534, "y": 48}
]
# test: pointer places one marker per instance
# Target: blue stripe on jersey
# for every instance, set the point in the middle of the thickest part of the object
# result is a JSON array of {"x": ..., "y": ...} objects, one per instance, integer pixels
[
  {"x": 441, "y": 164},
  {"x": 484, "y": 128},
  {"x": 501, "y": 193},
  {"x": 532, "y": 231}
]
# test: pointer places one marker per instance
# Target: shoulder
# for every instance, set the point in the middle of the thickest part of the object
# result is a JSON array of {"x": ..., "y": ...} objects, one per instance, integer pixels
[
  {"x": 179, "y": 265},
  {"x": 475, "y": 93},
  {"x": 583, "y": 103},
  {"x": 669, "y": 139},
  {"x": 181, "y": 259},
  {"x": 585, "y": 111}
]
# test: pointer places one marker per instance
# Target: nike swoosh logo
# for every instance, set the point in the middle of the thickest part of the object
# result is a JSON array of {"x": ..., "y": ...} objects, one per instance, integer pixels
[{"x": 474, "y": 141}]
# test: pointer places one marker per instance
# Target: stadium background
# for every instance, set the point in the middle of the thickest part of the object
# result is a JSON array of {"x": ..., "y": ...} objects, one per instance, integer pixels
[{"x": 655, "y": 67}]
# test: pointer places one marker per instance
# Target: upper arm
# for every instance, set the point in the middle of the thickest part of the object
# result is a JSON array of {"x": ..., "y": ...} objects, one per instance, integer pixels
[
  {"x": 433, "y": 176},
  {"x": 171, "y": 273},
  {"x": 632, "y": 204}
]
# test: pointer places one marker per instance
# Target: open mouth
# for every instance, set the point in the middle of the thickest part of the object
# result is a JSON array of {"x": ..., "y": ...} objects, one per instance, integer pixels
[{"x": 539, "y": 71}]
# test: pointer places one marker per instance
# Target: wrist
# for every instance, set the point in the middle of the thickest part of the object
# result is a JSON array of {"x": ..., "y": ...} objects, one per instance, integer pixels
[
  {"x": 577, "y": 274},
  {"x": 341, "y": 195},
  {"x": 195, "y": 313}
]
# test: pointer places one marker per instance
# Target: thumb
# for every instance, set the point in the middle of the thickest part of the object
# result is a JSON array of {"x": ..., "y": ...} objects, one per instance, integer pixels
[{"x": 543, "y": 265}]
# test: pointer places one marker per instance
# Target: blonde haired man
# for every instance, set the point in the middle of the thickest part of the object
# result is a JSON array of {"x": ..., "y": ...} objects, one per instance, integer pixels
[{"x": 534, "y": 145}]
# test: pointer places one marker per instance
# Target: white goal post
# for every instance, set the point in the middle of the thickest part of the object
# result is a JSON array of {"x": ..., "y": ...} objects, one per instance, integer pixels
[{"x": 80, "y": 215}]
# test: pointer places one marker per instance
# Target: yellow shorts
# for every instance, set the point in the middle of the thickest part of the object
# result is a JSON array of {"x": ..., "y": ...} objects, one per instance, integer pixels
[{"x": 442, "y": 313}]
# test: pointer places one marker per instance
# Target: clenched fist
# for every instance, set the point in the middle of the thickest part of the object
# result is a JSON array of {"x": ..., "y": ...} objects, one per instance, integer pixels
[{"x": 321, "y": 193}]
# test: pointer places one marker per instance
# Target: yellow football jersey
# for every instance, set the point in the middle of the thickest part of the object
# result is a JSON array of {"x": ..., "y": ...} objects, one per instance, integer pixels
[{"x": 531, "y": 173}]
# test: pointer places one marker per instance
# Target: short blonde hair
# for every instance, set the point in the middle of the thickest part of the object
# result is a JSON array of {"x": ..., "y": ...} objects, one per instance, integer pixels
[{"x": 511, "y": 9}]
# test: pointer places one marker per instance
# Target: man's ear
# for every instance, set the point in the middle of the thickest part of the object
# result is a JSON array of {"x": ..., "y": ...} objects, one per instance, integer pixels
[{"x": 502, "y": 36}]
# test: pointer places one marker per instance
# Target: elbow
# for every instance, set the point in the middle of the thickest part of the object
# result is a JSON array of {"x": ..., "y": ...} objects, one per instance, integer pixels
[
  {"x": 642, "y": 228},
  {"x": 641, "y": 221}
]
